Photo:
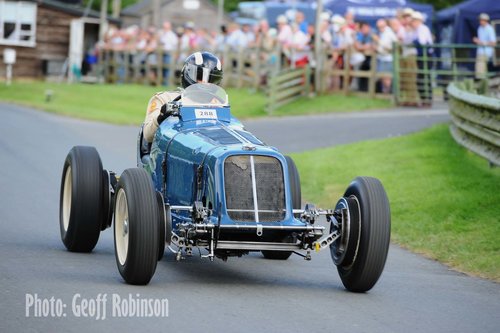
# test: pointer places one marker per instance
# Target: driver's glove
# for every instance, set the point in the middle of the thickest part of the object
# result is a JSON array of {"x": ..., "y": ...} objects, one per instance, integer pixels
[{"x": 163, "y": 114}]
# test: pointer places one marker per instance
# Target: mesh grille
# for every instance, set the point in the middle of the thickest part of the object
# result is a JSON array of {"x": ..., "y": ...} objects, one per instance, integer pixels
[{"x": 269, "y": 188}]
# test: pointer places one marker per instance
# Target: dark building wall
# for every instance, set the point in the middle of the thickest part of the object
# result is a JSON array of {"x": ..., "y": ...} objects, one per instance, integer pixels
[{"x": 52, "y": 44}]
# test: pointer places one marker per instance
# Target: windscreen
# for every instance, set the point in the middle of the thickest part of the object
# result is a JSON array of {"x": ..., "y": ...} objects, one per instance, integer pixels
[{"x": 204, "y": 94}]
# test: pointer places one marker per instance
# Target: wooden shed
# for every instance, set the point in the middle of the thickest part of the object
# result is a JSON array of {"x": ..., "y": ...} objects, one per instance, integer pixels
[{"x": 48, "y": 36}]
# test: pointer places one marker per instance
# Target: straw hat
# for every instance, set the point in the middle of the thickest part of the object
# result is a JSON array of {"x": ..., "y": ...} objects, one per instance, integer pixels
[
  {"x": 338, "y": 20},
  {"x": 417, "y": 16}
]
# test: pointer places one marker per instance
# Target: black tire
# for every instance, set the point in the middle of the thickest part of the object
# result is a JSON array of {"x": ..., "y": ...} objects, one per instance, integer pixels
[
  {"x": 81, "y": 211},
  {"x": 364, "y": 268},
  {"x": 161, "y": 225},
  {"x": 135, "y": 227},
  {"x": 294, "y": 181}
]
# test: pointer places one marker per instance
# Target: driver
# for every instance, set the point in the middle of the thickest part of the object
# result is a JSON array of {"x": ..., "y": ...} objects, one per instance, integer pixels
[{"x": 199, "y": 67}]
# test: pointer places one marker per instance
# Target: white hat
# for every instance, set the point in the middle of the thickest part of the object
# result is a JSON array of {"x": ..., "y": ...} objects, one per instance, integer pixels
[
  {"x": 281, "y": 19},
  {"x": 337, "y": 19},
  {"x": 324, "y": 16},
  {"x": 408, "y": 12},
  {"x": 484, "y": 17},
  {"x": 417, "y": 16}
]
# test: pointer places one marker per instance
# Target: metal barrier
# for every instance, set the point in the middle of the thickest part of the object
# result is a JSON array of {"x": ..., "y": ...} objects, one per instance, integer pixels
[
  {"x": 287, "y": 86},
  {"x": 475, "y": 120}
]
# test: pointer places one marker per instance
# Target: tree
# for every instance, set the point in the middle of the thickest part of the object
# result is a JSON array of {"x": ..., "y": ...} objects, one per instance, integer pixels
[
  {"x": 96, "y": 4},
  {"x": 440, "y": 4}
]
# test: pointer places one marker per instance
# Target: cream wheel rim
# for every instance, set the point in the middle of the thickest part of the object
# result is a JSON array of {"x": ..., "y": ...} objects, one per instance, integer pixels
[
  {"x": 121, "y": 226},
  {"x": 67, "y": 193}
]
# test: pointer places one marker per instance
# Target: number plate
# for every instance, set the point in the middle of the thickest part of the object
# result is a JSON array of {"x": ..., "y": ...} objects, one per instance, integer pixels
[{"x": 205, "y": 113}]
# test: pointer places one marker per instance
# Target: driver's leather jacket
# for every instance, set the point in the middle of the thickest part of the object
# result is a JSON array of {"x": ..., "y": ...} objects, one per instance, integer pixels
[{"x": 153, "y": 111}]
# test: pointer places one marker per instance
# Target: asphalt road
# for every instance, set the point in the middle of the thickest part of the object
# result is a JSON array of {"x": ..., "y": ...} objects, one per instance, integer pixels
[{"x": 250, "y": 294}]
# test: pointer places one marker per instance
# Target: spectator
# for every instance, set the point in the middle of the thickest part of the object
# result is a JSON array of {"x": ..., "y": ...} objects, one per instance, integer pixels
[
  {"x": 408, "y": 62},
  {"x": 204, "y": 40},
  {"x": 236, "y": 40},
  {"x": 261, "y": 36},
  {"x": 300, "y": 19},
  {"x": 189, "y": 39},
  {"x": 486, "y": 40},
  {"x": 151, "y": 58},
  {"x": 343, "y": 39},
  {"x": 169, "y": 42},
  {"x": 325, "y": 33},
  {"x": 349, "y": 20},
  {"x": 364, "y": 46},
  {"x": 298, "y": 47},
  {"x": 221, "y": 38},
  {"x": 284, "y": 30},
  {"x": 423, "y": 40},
  {"x": 384, "y": 42},
  {"x": 249, "y": 35},
  {"x": 397, "y": 28}
]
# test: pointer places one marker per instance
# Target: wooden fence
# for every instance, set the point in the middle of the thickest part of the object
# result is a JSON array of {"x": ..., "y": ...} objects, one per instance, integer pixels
[
  {"x": 287, "y": 86},
  {"x": 414, "y": 78},
  {"x": 475, "y": 120}
]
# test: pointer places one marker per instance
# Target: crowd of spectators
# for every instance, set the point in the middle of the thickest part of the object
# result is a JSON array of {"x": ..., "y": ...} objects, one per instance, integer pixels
[{"x": 295, "y": 38}]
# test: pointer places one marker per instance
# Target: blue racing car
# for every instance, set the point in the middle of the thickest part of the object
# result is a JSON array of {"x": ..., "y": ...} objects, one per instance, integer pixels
[{"x": 207, "y": 184}]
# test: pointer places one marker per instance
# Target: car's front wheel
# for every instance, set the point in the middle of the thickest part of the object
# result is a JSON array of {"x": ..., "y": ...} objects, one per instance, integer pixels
[
  {"x": 136, "y": 227},
  {"x": 361, "y": 250}
]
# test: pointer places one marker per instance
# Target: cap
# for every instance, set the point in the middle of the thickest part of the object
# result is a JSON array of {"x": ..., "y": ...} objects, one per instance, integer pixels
[
  {"x": 281, "y": 19},
  {"x": 189, "y": 25},
  {"x": 484, "y": 17}
]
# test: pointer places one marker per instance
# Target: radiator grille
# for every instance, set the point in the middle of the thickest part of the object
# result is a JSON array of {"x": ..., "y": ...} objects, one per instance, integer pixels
[{"x": 264, "y": 202}]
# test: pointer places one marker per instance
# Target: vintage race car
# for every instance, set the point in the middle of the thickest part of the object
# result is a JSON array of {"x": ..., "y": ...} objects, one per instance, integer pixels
[{"x": 206, "y": 183}]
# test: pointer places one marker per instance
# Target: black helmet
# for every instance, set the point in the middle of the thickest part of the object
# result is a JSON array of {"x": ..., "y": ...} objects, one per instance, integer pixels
[{"x": 201, "y": 67}]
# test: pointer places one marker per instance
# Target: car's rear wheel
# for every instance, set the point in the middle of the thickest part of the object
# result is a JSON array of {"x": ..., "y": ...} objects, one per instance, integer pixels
[
  {"x": 361, "y": 251},
  {"x": 294, "y": 181},
  {"x": 136, "y": 227},
  {"x": 81, "y": 203}
]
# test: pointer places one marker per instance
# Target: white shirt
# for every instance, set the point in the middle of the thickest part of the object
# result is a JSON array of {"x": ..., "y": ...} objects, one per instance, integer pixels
[
  {"x": 423, "y": 35},
  {"x": 486, "y": 34},
  {"x": 384, "y": 46},
  {"x": 298, "y": 42},
  {"x": 168, "y": 40},
  {"x": 237, "y": 40},
  {"x": 285, "y": 35}
]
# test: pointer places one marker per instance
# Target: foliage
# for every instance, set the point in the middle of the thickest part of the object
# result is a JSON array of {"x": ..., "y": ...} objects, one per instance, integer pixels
[
  {"x": 444, "y": 199},
  {"x": 96, "y": 4},
  {"x": 440, "y": 4}
]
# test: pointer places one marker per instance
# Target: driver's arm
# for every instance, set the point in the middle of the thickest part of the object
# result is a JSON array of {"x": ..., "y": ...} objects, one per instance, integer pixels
[{"x": 153, "y": 111}]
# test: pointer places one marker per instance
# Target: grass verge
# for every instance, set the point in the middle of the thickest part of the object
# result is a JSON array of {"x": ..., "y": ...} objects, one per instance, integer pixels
[
  {"x": 445, "y": 201},
  {"x": 126, "y": 104}
]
